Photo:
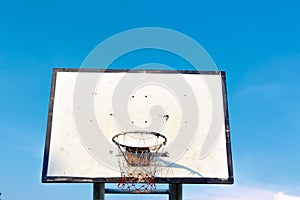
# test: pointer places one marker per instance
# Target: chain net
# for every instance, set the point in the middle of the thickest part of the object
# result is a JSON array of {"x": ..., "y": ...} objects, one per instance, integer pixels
[{"x": 139, "y": 163}]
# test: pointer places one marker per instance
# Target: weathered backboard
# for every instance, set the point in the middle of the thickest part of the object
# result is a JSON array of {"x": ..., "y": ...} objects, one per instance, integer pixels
[{"x": 89, "y": 106}]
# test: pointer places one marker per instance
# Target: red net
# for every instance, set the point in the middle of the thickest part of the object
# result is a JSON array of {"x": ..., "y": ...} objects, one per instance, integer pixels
[
  {"x": 139, "y": 164},
  {"x": 140, "y": 183}
]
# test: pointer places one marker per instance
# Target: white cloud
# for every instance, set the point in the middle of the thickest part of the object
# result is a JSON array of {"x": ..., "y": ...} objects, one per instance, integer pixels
[
  {"x": 270, "y": 88},
  {"x": 282, "y": 196},
  {"x": 21, "y": 139},
  {"x": 229, "y": 193},
  {"x": 278, "y": 76},
  {"x": 235, "y": 193}
]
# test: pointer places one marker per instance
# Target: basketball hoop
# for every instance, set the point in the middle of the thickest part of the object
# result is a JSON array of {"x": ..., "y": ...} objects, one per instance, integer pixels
[{"x": 139, "y": 166}]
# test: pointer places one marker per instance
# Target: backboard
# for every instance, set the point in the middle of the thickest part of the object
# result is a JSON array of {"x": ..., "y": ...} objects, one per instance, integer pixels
[{"x": 88, "y": 107}]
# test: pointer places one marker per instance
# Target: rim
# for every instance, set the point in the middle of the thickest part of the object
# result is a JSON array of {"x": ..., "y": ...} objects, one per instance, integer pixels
[{"x": 153, "y": 147}]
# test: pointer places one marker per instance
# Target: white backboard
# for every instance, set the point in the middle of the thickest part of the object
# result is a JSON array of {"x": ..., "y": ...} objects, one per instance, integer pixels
[{"x": 89, "y": 106}]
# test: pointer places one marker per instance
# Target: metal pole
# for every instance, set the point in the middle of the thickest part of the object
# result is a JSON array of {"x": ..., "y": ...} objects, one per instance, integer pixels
[
  {"x": 99, "y": 191},
  {"x": 175, "y": 191}
]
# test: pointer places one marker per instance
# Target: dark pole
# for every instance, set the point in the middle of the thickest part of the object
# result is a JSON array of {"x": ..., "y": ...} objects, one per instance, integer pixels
[
  {"x": 175, "y": 191},
  {"x": 99, "y": 191}
]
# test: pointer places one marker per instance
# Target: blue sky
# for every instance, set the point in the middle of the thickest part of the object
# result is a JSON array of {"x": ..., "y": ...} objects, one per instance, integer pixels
[{"x": 257, "y": 44}]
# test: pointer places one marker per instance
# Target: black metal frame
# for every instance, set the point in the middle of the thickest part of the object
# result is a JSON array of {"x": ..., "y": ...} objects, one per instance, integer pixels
[{"x": 177, "y": 180}]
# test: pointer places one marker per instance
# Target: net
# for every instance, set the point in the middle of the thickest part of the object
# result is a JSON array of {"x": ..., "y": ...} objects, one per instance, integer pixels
[{"x": 139, "y": 163}]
